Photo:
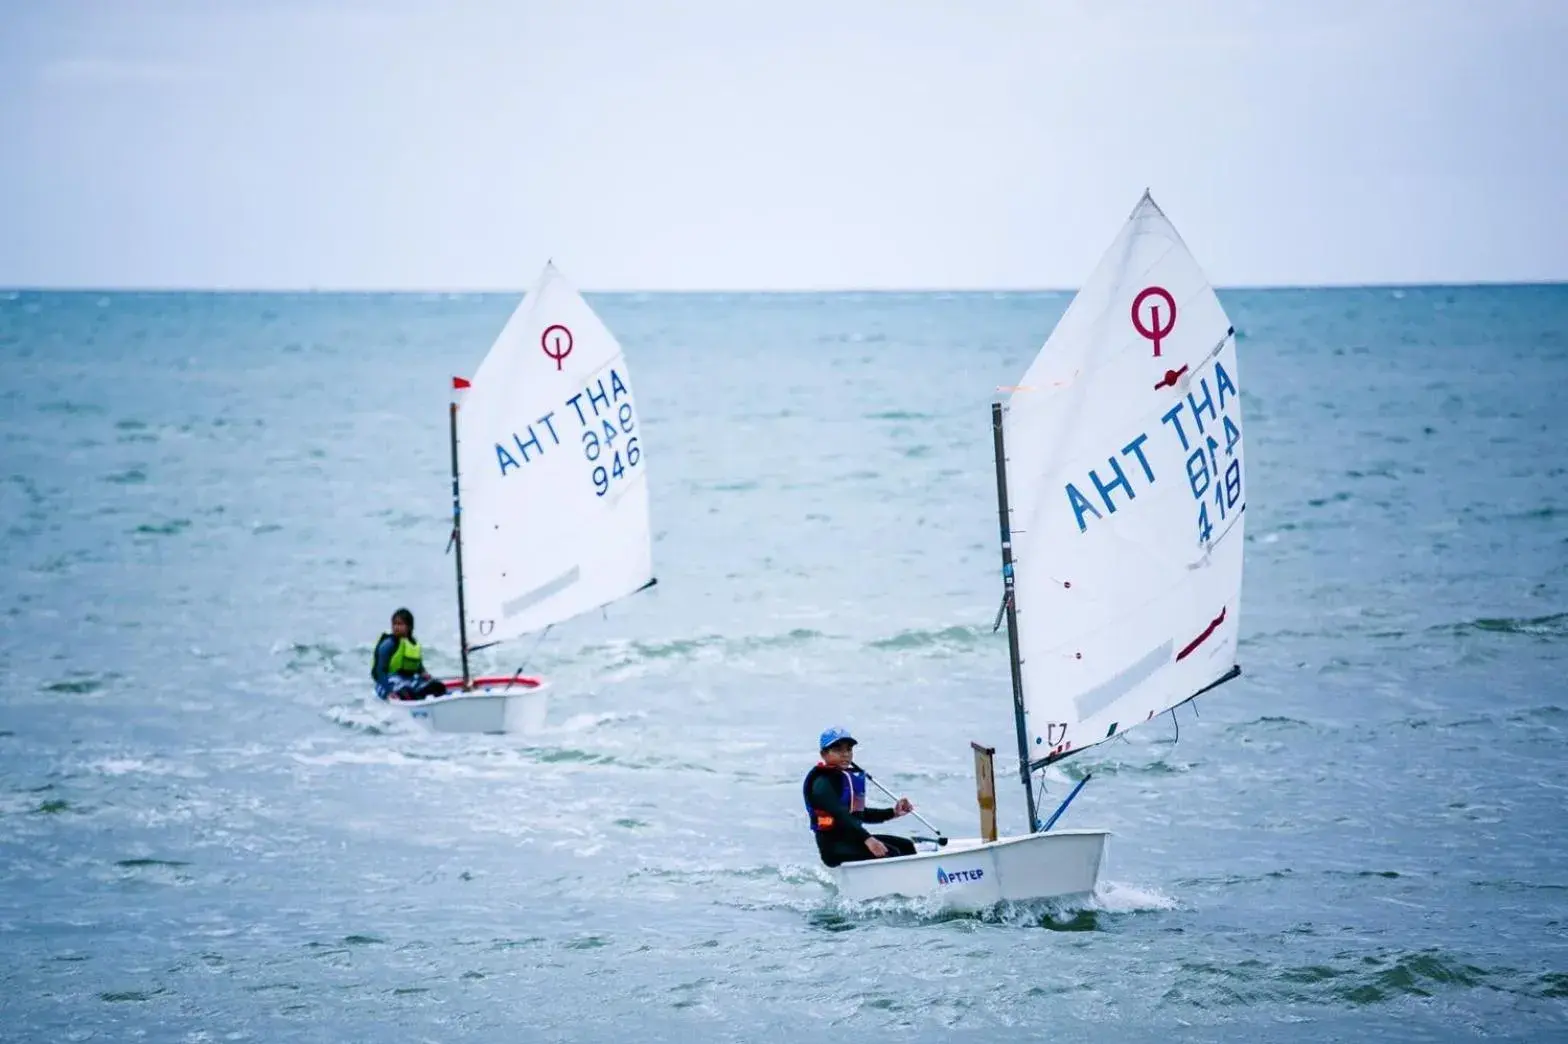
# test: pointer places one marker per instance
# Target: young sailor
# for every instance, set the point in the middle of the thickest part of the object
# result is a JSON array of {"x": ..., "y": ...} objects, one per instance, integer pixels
[
  {"x": 835, "y": 796},
  {"x": 397, "y": 667}
]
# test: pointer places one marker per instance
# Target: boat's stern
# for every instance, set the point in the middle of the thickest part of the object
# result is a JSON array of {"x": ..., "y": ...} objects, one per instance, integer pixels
[
  {"x": 491, "y": 706},
  {"x": 963, "y": 872}
]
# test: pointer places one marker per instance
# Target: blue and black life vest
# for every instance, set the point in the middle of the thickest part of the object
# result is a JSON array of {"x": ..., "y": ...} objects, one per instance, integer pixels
[{"x": 851, "y": 789}]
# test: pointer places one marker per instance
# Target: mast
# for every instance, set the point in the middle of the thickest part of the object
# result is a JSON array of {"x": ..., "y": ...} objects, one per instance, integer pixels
[
  {"x": 1012, "y": 615},
  {"x": 457, "y": 542}
]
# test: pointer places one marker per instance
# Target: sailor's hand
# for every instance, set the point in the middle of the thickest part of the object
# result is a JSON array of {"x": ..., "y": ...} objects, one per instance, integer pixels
[
  {"x": 903, "y": 808},
  {"x": 876, "y": 847}
]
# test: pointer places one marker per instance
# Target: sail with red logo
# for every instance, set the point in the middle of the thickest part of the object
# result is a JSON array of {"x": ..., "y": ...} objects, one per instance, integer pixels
[
  {"x": 550, "y": 509},
  {"x": 1125, "y": 477},
  {"x": 1120, "y": 494}
]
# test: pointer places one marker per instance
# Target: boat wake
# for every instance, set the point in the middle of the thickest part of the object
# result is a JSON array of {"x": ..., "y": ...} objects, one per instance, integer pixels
[
  {"x": 357, "y": 717},
  {"x": 1110, "y": 902}
]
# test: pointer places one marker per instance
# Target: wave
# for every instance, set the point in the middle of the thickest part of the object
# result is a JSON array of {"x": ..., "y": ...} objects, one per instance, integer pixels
[
  {"x": 900, "y": 415},
  {"x": 1553, "y": 626},
  {"x": 614, "y": 655},
  {"x": 946, "y": 639},
  {"x": 1358, "y": 978}
]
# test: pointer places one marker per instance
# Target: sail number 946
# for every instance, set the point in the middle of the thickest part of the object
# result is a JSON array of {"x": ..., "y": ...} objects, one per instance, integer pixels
[{"x": 611, "y": 448}]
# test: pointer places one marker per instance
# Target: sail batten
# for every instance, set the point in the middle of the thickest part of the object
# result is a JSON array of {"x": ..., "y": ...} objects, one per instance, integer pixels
[{"x": 1126, "y": 479}]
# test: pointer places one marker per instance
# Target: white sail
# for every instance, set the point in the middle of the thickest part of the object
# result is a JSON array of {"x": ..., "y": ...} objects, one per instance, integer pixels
[
  {"x": 553, "y": 471},
  {"x": 1127, "y": 485}
]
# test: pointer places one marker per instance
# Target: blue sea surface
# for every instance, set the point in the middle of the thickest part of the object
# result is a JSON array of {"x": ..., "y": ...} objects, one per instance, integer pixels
[{"x": 209, "y": 831}]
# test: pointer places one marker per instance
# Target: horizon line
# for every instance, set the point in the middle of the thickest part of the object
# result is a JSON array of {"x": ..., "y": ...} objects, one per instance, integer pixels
[{"x": 932, "y": 289}]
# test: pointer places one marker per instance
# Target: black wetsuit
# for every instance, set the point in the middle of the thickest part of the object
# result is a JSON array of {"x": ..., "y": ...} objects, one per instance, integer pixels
[{"x": 845, "y": 840}]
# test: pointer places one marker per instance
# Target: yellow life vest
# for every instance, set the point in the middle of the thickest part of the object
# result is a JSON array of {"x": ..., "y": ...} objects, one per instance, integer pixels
[{"x": 406, "y": 659}]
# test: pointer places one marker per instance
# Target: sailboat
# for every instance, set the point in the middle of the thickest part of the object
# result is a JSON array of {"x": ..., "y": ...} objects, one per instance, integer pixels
[
  {"x": 550, "y": 512},
  {"x": 1121, "y": 492}
]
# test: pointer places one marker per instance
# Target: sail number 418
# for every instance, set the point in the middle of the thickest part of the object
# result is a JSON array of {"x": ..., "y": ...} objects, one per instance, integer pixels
[{"x": 1204, "y": 475}]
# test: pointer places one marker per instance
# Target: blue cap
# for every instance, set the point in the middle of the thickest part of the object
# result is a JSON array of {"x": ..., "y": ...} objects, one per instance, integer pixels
[{"x": 834, "y": 735}]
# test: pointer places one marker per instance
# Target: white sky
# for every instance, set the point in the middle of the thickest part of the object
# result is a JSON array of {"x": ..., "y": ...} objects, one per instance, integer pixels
[{"x": 654, "y": 144}]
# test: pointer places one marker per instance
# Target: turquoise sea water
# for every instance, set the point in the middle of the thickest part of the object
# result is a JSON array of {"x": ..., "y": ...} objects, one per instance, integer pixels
[{"x": 211, "y": 503}]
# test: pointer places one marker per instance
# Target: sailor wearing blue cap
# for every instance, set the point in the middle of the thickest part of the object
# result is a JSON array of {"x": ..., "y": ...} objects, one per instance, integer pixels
[{"x": 835, "y": 795}]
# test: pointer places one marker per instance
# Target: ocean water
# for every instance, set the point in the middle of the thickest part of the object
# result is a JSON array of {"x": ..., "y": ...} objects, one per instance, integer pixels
[{"x": 211, "y": 503}]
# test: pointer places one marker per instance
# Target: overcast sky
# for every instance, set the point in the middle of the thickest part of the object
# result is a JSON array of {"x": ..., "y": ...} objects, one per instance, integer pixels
[{"x": 775, "y": 144}]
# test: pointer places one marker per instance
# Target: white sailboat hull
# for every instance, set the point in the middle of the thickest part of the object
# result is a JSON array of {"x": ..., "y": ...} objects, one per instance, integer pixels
[
  {"x": 970, "y": 874},
  {"x": 486, "y": 708}
]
